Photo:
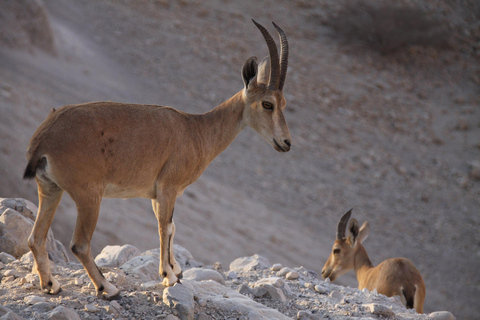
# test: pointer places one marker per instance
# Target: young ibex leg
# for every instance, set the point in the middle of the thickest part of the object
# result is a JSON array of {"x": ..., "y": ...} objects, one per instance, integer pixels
[
  {"x": 169, "y": 269},
  {"x": 87, "y": 215},
  {"x": 49, "y": 196}
]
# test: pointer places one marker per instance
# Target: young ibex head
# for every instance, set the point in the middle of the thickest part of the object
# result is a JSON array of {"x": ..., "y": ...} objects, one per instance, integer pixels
[
  {"x": 263, "y": 92},
  {"x": 342, "y": 258}
]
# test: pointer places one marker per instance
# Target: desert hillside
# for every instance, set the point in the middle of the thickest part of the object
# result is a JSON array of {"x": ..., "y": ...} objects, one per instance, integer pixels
[{"x": 391, "y": 131}]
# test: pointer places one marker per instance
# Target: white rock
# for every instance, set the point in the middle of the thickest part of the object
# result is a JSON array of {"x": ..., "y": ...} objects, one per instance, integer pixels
[
  {"x": 16, "y": 222},
  {"x": 62, "y": 313},
  {"x": 320, "y": 289},
  {"x": 115, "y": 256},
  {"x": 379, "y": 310},
  {"x": 292, "y": 275},
  {"x": 181, "y": 299},
  {"x": 33, "y": 299},
  {"x": 199, "y": 274},
  {"x": 214, "y": 292},
  {"x": 232, "y": 275},
  {"x": 90, "y": 307},
  {"x": 145, "y": 267},
  {"x": 441, "y": 315},
  {"x": 283, "y": 272},
  {"x": 6, "y": 258},
  {"x": 276, "y": 267},
  {"x": 246, "y": 264}
]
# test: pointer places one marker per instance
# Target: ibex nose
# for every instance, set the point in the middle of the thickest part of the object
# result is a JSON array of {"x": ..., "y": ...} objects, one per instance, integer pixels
[{"x": 287, "y": 142}]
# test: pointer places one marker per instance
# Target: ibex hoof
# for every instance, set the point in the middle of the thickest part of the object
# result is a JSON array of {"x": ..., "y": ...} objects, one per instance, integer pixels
[
  {"x": 109, "y": 292},
  {"x": 53, "y": 287},
  {"x": 170, "y": 281}
]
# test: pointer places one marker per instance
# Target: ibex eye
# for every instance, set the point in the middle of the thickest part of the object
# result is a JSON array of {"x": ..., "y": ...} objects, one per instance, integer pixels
[
  {"x": 267, "y": 105},
  {"x": 336, "y": 251}
]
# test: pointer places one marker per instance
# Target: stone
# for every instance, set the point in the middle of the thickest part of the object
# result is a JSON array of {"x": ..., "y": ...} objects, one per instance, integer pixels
[
  {"x": 16, "y": 221},
  {"x": 42, "y": 307},
  {"x": 379, "y": 310},
  {"x": 203, "y": 316},
  {"x": 145, "y": 267},
  {"x": 232, "y": 275},
  {"x": 6, "y": 258},
  {"x": 283, "y": 272},
  {"x": 115, "y": 256},
  {"x": 276, "y": 267},
  {"x": 199, "y": 274},
  {"x": 320, "y": 289},
  {"x": 245, "y": 264},
  {"x": 7, "y": 314},
  {"x": 62, "y": 313},
  {"x": 214, "y": 293},
  {"x": 181, "y": 299},
  {"x": 273, "y": 287},
  {"x": 90, "y": 307},
  {"x": 305, "y": 315},
  {"x": 245, "y": 289},
  {"x": 441, "y": 315},
  {"x": 33, "y": 299},
  {"x": 292, "y": 275}
]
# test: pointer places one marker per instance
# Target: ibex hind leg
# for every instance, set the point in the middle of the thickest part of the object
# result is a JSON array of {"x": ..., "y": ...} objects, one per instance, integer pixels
[
  {"x": 177, "y": 270},
  {"x": 49, "y": 196},
  {"x": 88, "y": 207}
]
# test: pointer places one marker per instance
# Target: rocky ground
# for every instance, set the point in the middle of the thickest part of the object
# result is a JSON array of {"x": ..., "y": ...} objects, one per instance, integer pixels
[
  {"x": 251, "y": 288},
  {"x": 395, "y": 136}
]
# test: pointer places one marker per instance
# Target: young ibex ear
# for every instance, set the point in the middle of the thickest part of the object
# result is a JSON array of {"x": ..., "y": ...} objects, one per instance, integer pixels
[
  {"x": 353, "y": 232},
  {"x": 249, "y": 72},
  {"x": 364, "y": 232}
]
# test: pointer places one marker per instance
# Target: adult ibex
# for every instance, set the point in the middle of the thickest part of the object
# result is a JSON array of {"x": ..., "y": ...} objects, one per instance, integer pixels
[
  {"x": 392, "y": 277},
  {"x": 118, "y": 150}
]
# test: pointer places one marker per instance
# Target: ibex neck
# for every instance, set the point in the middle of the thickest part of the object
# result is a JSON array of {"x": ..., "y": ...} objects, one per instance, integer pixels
[
  {"x": 221, "y": 125},
  {"x": 362, "y": 263}
]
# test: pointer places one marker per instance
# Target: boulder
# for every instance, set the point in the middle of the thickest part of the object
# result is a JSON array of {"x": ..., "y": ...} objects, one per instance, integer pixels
[
  {"x": 180, "y": 298},
  {"x": 245, "y": 264},
  {"x": 199, "y": 274},
  {"x": 16, "y": 221},
  {"x": 62, "y": 313},
  {"x": 115, "y": 256}
]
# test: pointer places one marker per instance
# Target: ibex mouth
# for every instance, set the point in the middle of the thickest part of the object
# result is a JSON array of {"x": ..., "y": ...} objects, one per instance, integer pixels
[{"x": 279, "y": 148}]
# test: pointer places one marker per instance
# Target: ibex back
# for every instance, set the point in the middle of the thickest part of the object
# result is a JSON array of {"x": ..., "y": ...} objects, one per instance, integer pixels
[
  {"x": 392, "y": 277},
  {"x": 117, "y": 150}
]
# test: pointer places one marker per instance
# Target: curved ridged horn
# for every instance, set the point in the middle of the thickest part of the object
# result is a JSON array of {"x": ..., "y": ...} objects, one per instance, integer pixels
[
  {"x": 274, "y": 62},
  {"x": 342, "y": 225},
  {"x": 283, "y": 56}
]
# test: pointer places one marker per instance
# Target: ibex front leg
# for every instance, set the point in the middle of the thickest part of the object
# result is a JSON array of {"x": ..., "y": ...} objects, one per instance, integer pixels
[{"x": 169, "y": 268}]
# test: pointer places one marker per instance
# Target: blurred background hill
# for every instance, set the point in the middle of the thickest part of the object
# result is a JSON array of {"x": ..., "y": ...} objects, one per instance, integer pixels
[{"x": 383, "y": 109}]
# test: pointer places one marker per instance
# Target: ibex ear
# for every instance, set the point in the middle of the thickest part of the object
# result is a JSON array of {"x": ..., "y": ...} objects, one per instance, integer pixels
[
  {"x": 264, "y": 71},
  {"x": 249, "y": 72},
  {"x": 364, "y": 232},
  {"x": 353, "y": 232}
]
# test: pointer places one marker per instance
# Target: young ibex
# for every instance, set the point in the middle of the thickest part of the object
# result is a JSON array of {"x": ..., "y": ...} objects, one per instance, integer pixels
[
  {"x": 392, "y": 277},
  {"x": 118, "y": 150}
]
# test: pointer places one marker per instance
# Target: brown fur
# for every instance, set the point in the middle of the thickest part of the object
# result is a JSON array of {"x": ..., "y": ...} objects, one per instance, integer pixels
[
  {"x": 106, "y": 149},
  {"x": 392, "y": 277}
]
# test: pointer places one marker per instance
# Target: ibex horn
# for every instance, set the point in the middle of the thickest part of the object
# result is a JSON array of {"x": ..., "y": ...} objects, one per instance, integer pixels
[
  {"x": 342, "y": 225},
  {"x": 274, "y": 81}
]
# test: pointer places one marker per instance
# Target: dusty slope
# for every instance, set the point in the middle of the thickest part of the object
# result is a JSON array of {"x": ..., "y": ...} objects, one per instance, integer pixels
[{"x": 391, "y": 139}]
